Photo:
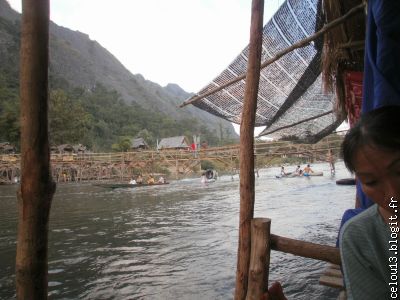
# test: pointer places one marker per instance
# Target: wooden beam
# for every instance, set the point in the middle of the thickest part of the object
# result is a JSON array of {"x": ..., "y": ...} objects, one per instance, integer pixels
[
  {"x": 297, "y": 123},
  {"x": 353, "y": 44},
  {"x": 305, "y": 249},
  {"x": 247, "y": 149},
  {"x": 37, "y": 187},
  {"x": 299, "y": 44}
]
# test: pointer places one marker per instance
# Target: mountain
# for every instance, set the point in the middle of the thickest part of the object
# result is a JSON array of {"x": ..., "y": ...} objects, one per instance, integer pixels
[{"x": 78, "y": 61}]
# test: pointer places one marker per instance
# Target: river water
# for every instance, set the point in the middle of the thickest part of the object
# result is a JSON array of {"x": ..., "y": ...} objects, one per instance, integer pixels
[{"x": 177, "y": 241}]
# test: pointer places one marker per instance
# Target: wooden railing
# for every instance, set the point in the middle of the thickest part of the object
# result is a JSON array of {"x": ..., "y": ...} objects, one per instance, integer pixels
[{"x": 262, "y": 242}]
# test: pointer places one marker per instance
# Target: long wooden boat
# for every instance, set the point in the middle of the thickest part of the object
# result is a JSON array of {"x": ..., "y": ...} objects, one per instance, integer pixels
[
  {"x": 126, "y": 185},
  {"x": 295, "y": 175},
  {"x": 346, "y": 181}
]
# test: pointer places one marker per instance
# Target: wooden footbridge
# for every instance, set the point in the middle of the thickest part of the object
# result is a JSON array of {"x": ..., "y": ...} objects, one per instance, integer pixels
[{"x": 179, "y": 163}]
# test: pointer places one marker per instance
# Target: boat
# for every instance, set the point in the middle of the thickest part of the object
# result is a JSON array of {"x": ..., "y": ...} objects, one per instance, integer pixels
[
  {"x": 288, "y": 175},
  {"x": 296, "y": 175},
  {"x": 346, "y": 181},
  {"x": 313, "y": 174},
  {"x": 126, "y": 185}
]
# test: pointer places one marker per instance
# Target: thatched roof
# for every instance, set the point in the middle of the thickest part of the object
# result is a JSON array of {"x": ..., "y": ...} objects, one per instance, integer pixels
[
  {"x": 343, "y": 47},
  {"x": 79, "y": 148},
  {"x": 139, "y": 143},
  {"x": 7, "y": 148},
  {"x": 176, "y": 142},
  {"x": 291, "y": 88},
  {"x": 68, "y": 148},
  {"x": 65, "y": 148}
]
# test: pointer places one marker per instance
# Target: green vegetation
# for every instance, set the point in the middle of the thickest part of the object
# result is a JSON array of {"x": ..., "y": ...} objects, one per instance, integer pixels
[{"x": 98, "y": 119}]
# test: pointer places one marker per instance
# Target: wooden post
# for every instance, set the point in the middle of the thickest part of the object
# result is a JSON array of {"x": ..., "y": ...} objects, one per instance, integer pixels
[
  {"x": 37, "y": 187},
  {"x": 246, "y": 149},
  {"x": 259, "y": 259}
]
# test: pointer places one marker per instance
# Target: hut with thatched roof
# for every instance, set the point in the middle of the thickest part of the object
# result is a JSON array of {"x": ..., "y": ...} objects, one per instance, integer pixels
[
  {"x": 174, "y": 143},
  {"x": 139, "y": 144},
  {"x": 7, "y": 148},
  {"x": 65, "y": 149},
  {"x": 80, "y": 149}
]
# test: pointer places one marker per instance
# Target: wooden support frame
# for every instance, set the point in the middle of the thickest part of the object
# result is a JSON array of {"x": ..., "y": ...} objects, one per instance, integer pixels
[
  {"x": 247, "y": 149},
  {"x": 298, "y": 123},
  {"x": 260, "y": 257},
  {"x": 262, "y": 241},
  {"x": 37, "y": 188}
]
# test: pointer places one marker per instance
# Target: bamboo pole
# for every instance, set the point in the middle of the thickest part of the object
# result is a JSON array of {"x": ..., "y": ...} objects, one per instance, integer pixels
[
  {"x": 306, "y": 249},
  {"x": 260, "y": 257},
  {"x": 299, "y": 44},
  {"x": 247, "y": 149},
  {"x": 37, "y": 187},
  {"x": 297, "y": 123}
]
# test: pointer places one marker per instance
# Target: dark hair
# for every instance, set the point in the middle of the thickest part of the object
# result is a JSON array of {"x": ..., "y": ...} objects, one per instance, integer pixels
[{"x": 378, "y": 128}]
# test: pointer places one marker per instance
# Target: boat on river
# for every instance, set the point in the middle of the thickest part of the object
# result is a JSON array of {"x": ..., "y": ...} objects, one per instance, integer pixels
[
  {"x": 346, "y": 181},
  {"x": 127, "y": 185},
  {"x": 296, "y": 175}
]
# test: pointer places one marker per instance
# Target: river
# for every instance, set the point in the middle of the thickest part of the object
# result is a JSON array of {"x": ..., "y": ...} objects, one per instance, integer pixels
[{"x": 177, "y": 241}]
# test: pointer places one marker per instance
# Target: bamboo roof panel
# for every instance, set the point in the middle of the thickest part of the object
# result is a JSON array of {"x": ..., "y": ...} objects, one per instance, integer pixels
[{"x": 290, "y": 88}]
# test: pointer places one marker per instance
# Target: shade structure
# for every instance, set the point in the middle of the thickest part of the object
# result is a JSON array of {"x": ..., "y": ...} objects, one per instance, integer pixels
[{"x": 291, "y": 88}]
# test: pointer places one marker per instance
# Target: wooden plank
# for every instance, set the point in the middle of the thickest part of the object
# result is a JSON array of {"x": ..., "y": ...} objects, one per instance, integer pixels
[
  {"x": 334, "y": 266},
  {"x": 333, "y": 273},
  {"x": 342, "y": 295},
  {"x": 334, "y": 282},
  {"x": 305, "y": 249}
]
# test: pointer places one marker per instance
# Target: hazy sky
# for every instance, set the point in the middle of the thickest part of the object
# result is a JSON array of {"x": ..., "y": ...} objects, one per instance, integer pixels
[{"x": 187, "y": 42}]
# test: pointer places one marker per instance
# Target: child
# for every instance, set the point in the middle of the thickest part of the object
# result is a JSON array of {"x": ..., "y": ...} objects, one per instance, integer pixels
[
  {"x": 369, "y": 241},
  {"x": 371, "y": 149}
]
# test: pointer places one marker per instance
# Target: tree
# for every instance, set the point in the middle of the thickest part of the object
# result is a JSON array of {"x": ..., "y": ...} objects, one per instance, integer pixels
[
  {"x": 68, "y": 121},
  {"x": 123, "y": 145}
]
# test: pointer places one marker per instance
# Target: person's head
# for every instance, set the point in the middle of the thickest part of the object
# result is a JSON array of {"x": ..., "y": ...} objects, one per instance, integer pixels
[
  {"x": 308, "y": 165},
  {"x": 371, "y": 150}
]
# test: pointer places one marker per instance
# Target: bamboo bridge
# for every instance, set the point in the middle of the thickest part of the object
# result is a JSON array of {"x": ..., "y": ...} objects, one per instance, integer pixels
[{"x": 180, "y": 163}]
